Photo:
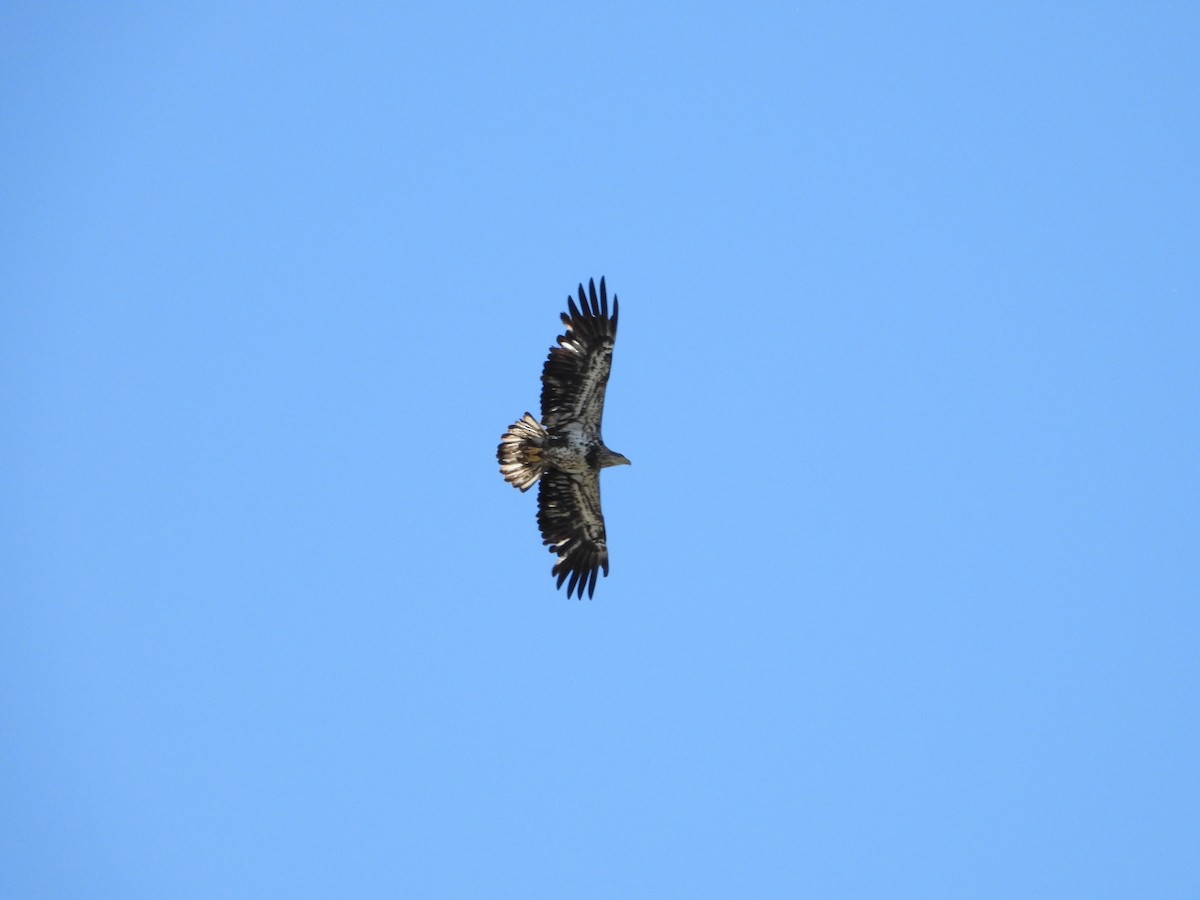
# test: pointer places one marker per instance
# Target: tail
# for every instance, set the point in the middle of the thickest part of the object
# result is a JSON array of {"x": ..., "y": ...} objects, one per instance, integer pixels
[{"x": 520, "y": 452}]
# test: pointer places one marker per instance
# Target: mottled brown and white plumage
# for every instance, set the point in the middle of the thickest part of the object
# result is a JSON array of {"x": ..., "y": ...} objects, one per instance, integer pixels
[{"x": 564, "y": 451}]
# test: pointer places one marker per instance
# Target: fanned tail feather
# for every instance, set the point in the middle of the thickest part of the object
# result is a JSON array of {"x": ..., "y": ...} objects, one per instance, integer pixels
[{"x": 520, "y": 452}]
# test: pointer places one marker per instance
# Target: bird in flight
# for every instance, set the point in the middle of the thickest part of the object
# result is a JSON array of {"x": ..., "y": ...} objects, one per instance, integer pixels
[{"x": 564, "y": 451}]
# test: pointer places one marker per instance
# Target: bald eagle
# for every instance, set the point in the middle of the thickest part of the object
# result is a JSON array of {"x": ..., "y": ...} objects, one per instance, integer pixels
[{"x": 564, "y": 450}]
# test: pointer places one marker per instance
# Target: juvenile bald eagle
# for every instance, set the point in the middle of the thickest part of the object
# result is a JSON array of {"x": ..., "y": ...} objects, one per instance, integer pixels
[{"x": 565, "y": 450}]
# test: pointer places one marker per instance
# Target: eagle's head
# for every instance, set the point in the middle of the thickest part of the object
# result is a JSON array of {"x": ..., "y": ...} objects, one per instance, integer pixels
[{"x": 608, "y": 458}]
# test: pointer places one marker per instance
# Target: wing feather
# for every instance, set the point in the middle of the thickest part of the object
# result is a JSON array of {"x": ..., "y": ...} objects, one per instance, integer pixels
[
  {"x": 575, "y": 375},
  {"x": 572, "y": 525}
]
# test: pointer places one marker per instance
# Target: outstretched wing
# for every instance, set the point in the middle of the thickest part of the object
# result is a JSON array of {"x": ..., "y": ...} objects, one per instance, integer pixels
[
  {"x": 571, "y": 523},
  {"x": 576, "y": 371}
]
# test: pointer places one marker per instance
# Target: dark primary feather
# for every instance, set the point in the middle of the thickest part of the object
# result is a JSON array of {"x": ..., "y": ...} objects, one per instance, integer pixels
[
  {"x": 576, "y": 371},
  {"x": 570, "y": 521}
]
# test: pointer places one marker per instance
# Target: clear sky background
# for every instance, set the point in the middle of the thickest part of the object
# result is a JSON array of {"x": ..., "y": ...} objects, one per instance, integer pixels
[{"x": 905, "y": 587}]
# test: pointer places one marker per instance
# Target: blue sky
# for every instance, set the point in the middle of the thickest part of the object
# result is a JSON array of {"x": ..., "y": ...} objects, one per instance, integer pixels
[{"x": 904, "y": 584}]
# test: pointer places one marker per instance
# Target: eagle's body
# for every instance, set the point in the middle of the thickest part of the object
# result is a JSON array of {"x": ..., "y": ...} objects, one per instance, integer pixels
[{"x": 565, "y": 450}]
